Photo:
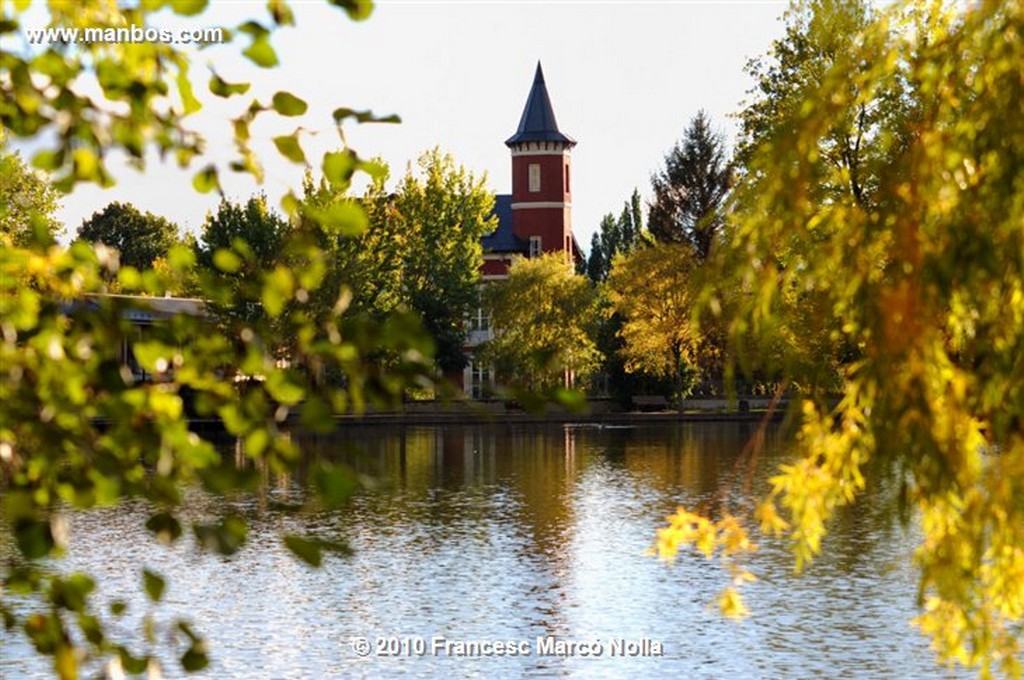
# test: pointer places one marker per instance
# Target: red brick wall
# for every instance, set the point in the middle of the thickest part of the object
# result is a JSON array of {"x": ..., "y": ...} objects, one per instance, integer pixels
[{"x": 552, "y": 178}]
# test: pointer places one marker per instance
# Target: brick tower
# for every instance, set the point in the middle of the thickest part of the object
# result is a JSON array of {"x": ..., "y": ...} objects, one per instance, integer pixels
[{"x": 541, "y": 177}]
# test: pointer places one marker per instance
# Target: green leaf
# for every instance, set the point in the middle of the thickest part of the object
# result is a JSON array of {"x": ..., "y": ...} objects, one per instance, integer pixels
[
  {"x": 288, "y": 104},
  {"x": 33, "y": 537},
  {"x": 283, "y": 390},
  {"x": 290, "y": 204},
  {"x": 92, "y": 628},
  {"x": 154, "y": 584},
  {"x": 316, "y": 415},
  {"x": 188, "y": 7},
  {"x": 357, "y": 10},
  {"x": 240, "y": 126},
  {"x": 256, "y": 442},
  {"x": 195, "y": 659},
  {"x": 278, "y": 287},
  {"x": 186, "y": 628},
  {"x": 226, "y": 478},
  {"x": 48, "y": 160},
  {"x": 132, "y": 664},
  {"x": 129, "y": 278},
  {"x": 118, "y": 607},
  {"x": 188, "y": 97},
  {"x": 154, "y": 356},
  {"x": 305, "y": 549},
  {"x": 223, "y": 88},
  {"x": 345, "y": 217},
  {"x": 374, "y": 168},
  {"x": 206, "y": 180},
  {"x": 338, "y": 167},
  {"x": 86, "y": 164},
  {"x": 181, "y": 258},
  {"x": 342, "y": 113},
  {"x": 227, "y": 261},
  {"x": 225, "y": 538},
  {"x": 573, "y": 400},
  {"x": 334, "y": 483},
  {"x": 165, "y": 526},
  {"x": 288, "y": 146},
  {"x": 261, "y": 53},
  {"x": 281, "y": 13},
  {"x": 72, "y": 592}
]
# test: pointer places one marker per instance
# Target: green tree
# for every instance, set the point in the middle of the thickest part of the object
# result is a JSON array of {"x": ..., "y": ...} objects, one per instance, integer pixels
[
  {"x": 614, "y": 237},
  {"x": 543, "y": 318},
  {"x": 443, "y": 213},
  {"x": 139, "y": 237},
  {"x": 928, "y": 282},
  {"x": 254, "y": 228},
  {"x": 237, "y": 243},
  {"x": 860, "y": 141},
  {"x": 366, "y": 264},
  {"x": 27, "y": 202},
  {"x": 689, "y": 192},
  {"x": 650, "y": 289},
  {"x": 596, "y": 268}
]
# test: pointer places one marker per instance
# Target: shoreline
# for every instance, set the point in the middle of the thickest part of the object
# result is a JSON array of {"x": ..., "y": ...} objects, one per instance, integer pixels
[{"x": 479, "y": 417}]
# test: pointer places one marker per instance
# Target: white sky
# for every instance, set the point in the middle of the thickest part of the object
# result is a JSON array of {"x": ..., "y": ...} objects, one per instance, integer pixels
[{"x": 625, "y": 78}]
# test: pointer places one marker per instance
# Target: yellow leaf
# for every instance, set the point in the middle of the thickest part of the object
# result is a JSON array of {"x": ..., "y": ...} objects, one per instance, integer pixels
[{"x": 730, "y": 603}]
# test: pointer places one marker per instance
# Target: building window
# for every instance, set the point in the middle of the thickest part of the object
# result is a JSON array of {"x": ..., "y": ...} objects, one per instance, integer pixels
[
  {"x": 534, "y": 177},
  {"x": 480, "y": 382},
  {"x": 536, "y": 248},
  {"x": 480, "y": 319},
  {"x": 567, "y": 189}
]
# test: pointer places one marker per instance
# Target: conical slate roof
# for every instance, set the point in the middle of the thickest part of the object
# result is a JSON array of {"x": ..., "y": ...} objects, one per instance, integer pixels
[{"x": 538, "y": 122}]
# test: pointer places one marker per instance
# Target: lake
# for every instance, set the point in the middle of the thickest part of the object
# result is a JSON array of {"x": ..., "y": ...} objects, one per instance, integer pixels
[{"x": 514, "y": 551}]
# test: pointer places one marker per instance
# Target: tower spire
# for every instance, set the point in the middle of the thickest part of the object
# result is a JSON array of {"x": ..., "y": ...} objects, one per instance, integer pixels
[{"x": 538, "y": 123}]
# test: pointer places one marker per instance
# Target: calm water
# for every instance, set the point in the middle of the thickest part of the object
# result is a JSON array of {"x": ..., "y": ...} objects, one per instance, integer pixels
[{"x": 514, "y": 533}]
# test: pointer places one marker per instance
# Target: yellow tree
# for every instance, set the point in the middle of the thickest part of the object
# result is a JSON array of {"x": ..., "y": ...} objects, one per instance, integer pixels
[
  {"x": 543, "y": 316},
  {"x": 650, "y": 288},
  {"x": 927, "y": 283}
]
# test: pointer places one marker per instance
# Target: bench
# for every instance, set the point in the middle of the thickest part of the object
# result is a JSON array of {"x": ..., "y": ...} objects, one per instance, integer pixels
[{"x": 650, "y": 403}]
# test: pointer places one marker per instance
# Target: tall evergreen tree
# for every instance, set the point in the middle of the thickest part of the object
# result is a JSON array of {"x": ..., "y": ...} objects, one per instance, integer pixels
[
  {"x": 689, "y": 192},
  {"x": 614, "y": 237},
  {"x": 595, "y": 261}
]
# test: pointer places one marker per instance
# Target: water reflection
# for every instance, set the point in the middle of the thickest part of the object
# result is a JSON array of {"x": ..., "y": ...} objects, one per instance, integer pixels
[{"x": 514, "y": 533}]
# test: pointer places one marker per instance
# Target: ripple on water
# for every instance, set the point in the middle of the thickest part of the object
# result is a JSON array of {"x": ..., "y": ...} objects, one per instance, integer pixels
[{"x": 513, "y": 533}]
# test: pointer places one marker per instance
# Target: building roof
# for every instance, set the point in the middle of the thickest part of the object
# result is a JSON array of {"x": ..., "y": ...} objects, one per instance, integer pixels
[
  {"x": 538, "y": 121},
  {"x": 139, "y": 309},
  {"x": 503, "y": 239}
]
